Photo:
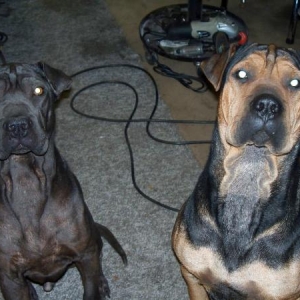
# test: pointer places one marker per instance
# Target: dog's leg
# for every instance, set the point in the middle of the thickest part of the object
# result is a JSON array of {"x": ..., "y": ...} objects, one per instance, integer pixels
[
  {"x": 94, "y": 282},
  {"x": 17, "y": 290},
  {"x": 196, "y": 291},
  {"x": 32, "y": 292}
]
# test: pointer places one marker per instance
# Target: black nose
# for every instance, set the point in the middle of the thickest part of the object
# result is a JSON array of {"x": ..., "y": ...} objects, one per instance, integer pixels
[
  {"x": 17, "y": 127},
  {"x": 267, "y": 107}
]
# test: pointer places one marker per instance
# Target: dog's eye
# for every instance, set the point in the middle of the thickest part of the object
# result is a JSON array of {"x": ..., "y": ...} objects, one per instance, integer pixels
[
  {"x": 38, "y": 91},
  {"x": 294, "y": 83},
  {"x": 241, "y": 74}
]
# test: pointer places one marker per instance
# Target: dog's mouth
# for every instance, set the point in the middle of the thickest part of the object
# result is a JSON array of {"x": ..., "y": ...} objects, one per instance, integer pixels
[
  {"x": 20, "y": 149},
  {"x": 260, "y": 138},
  {"x": 254, "y": 131},
  {"x": 273, "y": 140},
  {"x": 38, "y": 148}
]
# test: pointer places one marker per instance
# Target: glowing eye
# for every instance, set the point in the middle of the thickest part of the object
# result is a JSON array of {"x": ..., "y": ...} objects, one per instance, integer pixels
[
  {"x": 38, "y": 91},
  {"x": 242, "y": 74},
  {"x": 294, "y": 83}
]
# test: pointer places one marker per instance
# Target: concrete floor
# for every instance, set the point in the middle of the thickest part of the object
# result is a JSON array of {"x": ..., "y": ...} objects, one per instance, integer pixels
[{"x": 267, "y": 22}]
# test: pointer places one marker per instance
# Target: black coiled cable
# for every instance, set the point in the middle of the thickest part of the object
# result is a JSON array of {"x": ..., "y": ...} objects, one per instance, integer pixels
[{"x": 131, "y": 120}]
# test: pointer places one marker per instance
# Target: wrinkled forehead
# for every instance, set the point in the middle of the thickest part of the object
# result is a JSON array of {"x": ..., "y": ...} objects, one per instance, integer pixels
[
  {"x": 263, "y": 56},
  {"x": 20, "y": 70},
  {"x": 13, "y": 76}
]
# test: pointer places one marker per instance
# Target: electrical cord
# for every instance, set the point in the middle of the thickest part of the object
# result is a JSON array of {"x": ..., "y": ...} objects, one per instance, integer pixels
[
  {"x": 188, "y": 81},
  {"x": 130, "y": 120}
]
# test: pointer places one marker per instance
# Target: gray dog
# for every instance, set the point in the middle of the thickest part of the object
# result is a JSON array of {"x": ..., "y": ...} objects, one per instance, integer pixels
[{"x": 45, "y": 225}]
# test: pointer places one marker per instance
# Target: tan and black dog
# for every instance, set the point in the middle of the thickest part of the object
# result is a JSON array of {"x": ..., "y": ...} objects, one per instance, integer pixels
[
  {"x": 238, "y": 235},
  {"x": 45, "y": 225}
]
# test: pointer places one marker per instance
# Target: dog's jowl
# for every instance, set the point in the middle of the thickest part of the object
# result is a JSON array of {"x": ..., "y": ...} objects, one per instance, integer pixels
[
  {"x": 238, "y": 234},
  {"x": 45, "y": 225}
]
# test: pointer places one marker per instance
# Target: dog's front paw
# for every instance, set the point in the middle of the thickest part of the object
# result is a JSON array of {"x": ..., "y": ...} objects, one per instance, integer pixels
[{"x": 104, "y": 288}]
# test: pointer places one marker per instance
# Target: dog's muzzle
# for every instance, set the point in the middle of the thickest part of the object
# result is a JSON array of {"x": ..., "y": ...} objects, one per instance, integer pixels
[
  {"x": 262, "y": 124},
  {"x": 21, "y": 135},
  {"x": 17, "y": 132},
  {"x": 266, "y": 111}
]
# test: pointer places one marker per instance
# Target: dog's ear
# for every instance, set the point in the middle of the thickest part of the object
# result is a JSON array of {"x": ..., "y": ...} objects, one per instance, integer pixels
[
  {"x": 214, "y": 67},
  {"x": 57, "y": 79}
]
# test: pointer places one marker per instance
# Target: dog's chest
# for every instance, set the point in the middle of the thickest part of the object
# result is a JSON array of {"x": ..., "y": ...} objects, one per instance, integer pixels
[
  {"x": 34, "y": 227},
  {"x": 24, "y": 187},
  {"x": 235, "y": 264},
  {"x": 256, "y": 279},
  {"x": 34, "y": 251}
]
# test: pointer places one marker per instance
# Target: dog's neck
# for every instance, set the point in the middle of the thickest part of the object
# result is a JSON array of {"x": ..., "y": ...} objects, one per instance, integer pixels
[
  {"x": 249, "y": 172},
  {"x": 27, "y": 176},
  {"x": 252, "y": 179},
  {"x": 243, "y": 192}
]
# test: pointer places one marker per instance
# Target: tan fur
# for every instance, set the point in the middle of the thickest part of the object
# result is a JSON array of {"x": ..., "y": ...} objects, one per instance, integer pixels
[
  {"x": 203, "y": 265},
  {"x": 234, "y": 97}
]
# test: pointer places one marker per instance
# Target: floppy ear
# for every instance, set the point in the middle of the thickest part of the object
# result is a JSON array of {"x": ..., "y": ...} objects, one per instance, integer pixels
[
  {"x": 57, "y": 79},
  {"x": 214, "y": 67}
]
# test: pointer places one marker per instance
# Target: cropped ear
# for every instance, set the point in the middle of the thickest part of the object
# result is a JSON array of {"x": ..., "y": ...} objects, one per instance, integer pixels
[
  {"x": 214, "y": 67},
  {"x": 57, "y": 79}
]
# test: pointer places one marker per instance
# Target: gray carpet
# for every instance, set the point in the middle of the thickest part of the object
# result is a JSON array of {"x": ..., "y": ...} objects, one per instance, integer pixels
[{"x": 72, "y": 35}]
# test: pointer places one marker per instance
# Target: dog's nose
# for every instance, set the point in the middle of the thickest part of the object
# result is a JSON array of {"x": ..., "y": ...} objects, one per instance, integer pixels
[
  {"x": 267, "y": 107},
  {"x": 17, "y": 127}
]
